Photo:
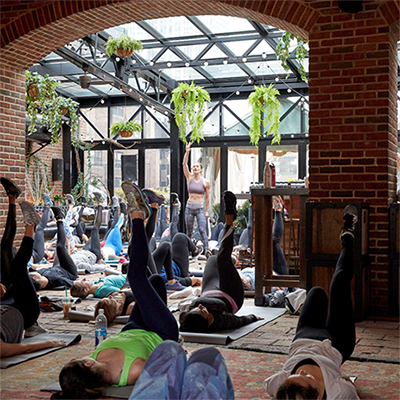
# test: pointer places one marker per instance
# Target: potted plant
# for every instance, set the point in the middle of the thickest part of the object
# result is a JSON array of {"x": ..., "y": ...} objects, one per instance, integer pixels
[
  {"x": 124, "y": 129},
  {"x": 41, "y": 96},
  {"x": 263, "y": 99},
  {"x": 67, "y": 105},
  {"x": 124, "y": 46},
  {"x": 283, "y": 52},
  {"x": 57, "y": 199},
  {"x": 189, "y": 103}
]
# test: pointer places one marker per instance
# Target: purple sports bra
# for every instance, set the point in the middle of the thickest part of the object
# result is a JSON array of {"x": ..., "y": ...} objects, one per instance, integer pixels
[{"x": 196, "y": 187}]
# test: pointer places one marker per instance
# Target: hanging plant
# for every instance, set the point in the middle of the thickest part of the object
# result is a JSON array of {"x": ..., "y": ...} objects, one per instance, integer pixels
[
  {"x": 41, "y": 96},
  {"x": 124, "y": 46},
  {"x": 189, "y": 104},
  {"x": 263, "y": 99},
  {"x": 124, "y": 129},
  {"x": 283, "y": 52},
  {"x": 67, "y": 105}
]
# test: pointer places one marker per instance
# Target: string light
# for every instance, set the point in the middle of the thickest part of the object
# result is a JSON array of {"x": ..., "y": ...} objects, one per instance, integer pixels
[
  {"x": 249, "y": 81},
  {"x": 151, "y": 63},
  {"x": 289, "y": 90},
  {"x": 244, "y": 59},
  {"x": 237, "y": 92},
  {"x": 168, "y": 64},
  {"x": 133, "y": 61},
  {"x": 102, "y": 101},
  {"x": 264, "y": 55},
  {"x": 117, "y": 59},
  {"x": 187, "y": 64},
  {"x": 225, "y": 62},
  {"x": 130, "y": 89},
  {"x": 205, "y": 63},
  {"x": 276, "y": 79},
  {"x": 103, "y": 142}
]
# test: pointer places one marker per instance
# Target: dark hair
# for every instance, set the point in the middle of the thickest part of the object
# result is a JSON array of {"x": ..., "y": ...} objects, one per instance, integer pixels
[
  {"x": 293, "y": 391},
  {"x": 78, "y": 381},
  {"x": 124, "y": 267},
  {"x": 77, "y": 290},
  {"x": 109, "y": 310},
  {"x": 191, "y": 322}
]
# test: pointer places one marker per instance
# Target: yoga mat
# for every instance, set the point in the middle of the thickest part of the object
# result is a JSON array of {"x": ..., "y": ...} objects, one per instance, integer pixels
[
  {"x": 224, "y": 337},
  {"x": 78, "y": 316},
  {"x": 119, "y": 392},
  {"x": 14, "y": 360}
]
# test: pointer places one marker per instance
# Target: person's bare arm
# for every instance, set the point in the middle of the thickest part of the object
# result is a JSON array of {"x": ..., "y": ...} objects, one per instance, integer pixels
[
  {"x": 207, "y": 187},
  {"x": 68, "y": 240},
  {"x": 195, "y": 281},
  {"x": 185, "y": 161},
  {"x": 13, "y": 349}
]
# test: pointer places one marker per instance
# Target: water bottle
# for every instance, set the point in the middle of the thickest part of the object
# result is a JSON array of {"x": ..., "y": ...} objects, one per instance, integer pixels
[{"x": 101, "y": 328}]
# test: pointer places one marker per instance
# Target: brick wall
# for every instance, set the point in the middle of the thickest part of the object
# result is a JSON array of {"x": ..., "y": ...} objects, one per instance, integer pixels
[{"x": 353, "y": 121}]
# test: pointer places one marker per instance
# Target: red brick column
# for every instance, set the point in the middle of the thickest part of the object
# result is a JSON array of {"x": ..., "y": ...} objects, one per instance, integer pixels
[
  {"x": 353, "y": 121},
  {"x": 12, "y": 134}
]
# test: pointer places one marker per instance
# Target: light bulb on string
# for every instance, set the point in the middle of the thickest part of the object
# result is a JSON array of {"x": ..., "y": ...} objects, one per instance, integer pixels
[
  {"x": 237, "y": 93},
  {"x": 289, "y": 90},
  {"x": 276, "y": 79},
  {"x": 225, "y": 62},
  {"x": 205, "y": 63},
  {"x": 151, "y": 63},
  {"x": 102, "y": 101},
  {"x": 187, "y": 64},
  {"x": 117, "y": 59},
  {"x": 244, "y": 59},
  {"x": 169, "y": 64},
  {"x": 264, "y": 55}
]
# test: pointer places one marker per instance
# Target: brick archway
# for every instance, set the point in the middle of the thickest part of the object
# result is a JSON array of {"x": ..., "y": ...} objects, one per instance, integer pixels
[{"x": 43, "y": 26}]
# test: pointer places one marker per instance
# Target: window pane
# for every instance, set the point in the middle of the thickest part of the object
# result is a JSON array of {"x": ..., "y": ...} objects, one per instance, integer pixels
[
  {"x": 174, "y": 27},
  {"x": 240, "y": 47},
  {"x": 211, "y": 124},
  {"x": 209, "y": 157},
  {"x": 224, "y": 71},
  {"x": 99, "y": 167},
  {"x": 152, "y": 129},
  {"x": 98, "y": 118},
  {"x": 157, "y": 172},
  {"x": 285, "y": 159},
  {"x": 219, "y": 24},
  {"x": 242, "y": 168},
  {"x": 183, "y": 74},
  {"x": 232, "y": 126},
  {"x": 132, "y": 29}
]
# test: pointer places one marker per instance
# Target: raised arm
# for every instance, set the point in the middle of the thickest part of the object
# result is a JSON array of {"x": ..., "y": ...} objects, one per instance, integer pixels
[
  {"x": 13, "y": 349},
  {"x": 185, "y": 161},
  {"x": 207, "y": 194}
]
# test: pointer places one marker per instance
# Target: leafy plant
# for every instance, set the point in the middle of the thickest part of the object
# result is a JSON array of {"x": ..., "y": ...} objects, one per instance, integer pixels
[
  {"x": 125, "y": 42},
  {"x": 283, "y": 52},
  {"x": 263, "y": 99},
  {"x": 41, "y": 96},
  {"x": 189, "y": 104},
  {"x": 242, "y": 215},
  {"x": 43, "y": 99},
  {"x": 118, "y": 127},
  {"x": 58, "y": 198}
]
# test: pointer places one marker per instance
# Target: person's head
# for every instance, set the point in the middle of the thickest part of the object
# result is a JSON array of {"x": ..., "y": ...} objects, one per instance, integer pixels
[
  {"x": 196, "y": 320},
  {"x": 81, "y": 288},
  {"x": 81, "y": 379},
  {"x": 298, "y": 386},
  {"x": 39, "y": 281},
  {"x": 49, "y": 254},
  {"x": 112, "y": 306},
  {"x": 197, "y": 168},
  {"x": 246, "y": 282}
]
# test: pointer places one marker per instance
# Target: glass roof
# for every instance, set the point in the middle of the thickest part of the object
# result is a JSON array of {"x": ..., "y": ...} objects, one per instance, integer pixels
[{"x": 206, "y": 49}]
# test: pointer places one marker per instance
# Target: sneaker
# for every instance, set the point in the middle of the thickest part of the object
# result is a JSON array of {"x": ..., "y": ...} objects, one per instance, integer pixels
[
  {"x": 10, "y": 187},
  {"x": 277, "y": 203},
  {"x": 199, "y": 250},
  {"x": 135, "y": 198},
  {"x": 115, "y": 201},
  {"x": 230, "y": 203},
  {"x": 173, "y": 198},
  {"x": 70, "y": 199},
  {"x": 350, "y": 218},
  {"x": 29, "y": 213},
  {"x": 123, "y": 207},
  {"x": 34, "y": 330},
  {"x": 83, "y": 201},
  {"x": 46, "y": 200},
  {"x": 58, "y": 214},
  {"x": 208, "y": 254},
  {"x": 153, "y": 197},
  {"x": 175, "y": 286},
  {"x": 98, "y": 196}
]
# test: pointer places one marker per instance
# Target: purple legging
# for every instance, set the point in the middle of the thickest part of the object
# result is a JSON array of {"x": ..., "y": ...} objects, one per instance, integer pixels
[{"x": 200, "y": 216}]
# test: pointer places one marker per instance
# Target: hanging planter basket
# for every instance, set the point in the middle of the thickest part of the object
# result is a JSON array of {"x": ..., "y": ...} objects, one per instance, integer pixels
[
  {"x": 261, "y": 100},
  {"x": 124, "y": 53},
  {"x": 64, "y": 110},
  {"x": 33, "y": 90},
  {"x": 126, "y": 134}
]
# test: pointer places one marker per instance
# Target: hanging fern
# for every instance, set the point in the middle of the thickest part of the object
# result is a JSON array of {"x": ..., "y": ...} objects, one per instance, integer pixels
[
  {"x": 263, "y": 99},
  {"x": 283, "y": 52},
  {"x": 189, "y": 103}
]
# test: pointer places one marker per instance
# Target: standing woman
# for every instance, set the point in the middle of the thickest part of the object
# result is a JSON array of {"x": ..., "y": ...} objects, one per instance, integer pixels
[{"x": 198, "y": 188}]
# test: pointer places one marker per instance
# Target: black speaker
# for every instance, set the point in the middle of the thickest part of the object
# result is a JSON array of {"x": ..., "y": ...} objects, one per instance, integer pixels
[
  {"x": 352, "y": 6},
  {"x": 129, "y": 168},
  {"x": 57, "y": 169}
]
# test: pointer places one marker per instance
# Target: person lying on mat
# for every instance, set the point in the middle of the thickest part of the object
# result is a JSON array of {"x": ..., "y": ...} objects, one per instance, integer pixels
[
  {"x": 65, "y": 267},
  {"x": 19, "y": 305},
  {"x": 116, "y": 304},
  {"x": 325, "y": 335},
  {"x": 119, "y": 360},
  {"x": 203, "y": 376},
  {"x": 222, "y": 289}
]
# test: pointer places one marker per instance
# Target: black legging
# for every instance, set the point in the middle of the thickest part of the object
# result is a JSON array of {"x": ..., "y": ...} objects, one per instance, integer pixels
[
  {"x": 21, "y": 294},
  {"x": 162, "y": 257},
  {"x": 336, "y": 322},
  {"x": 279, "y": 262},
  {"x": 7, "y": 252},
  {"x": 181, "y": 247},
  {"x": 221, "y": 274},
  {"x": 80, "y": 230},
  {"x": 63, "y": 259},
  {"x": 150, "y": 311},
  {"x": 38, "y": 238},
  {"x": 151, "y": 224},
  {"x": 93, "y": 244}
]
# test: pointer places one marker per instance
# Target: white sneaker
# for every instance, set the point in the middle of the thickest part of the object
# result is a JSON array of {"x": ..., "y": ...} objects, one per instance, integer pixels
[{"x": 34, "y": 330}]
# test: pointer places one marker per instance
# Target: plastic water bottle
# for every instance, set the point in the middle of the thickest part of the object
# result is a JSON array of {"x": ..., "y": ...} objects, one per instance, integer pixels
[{"x": 101, "y": 328}]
